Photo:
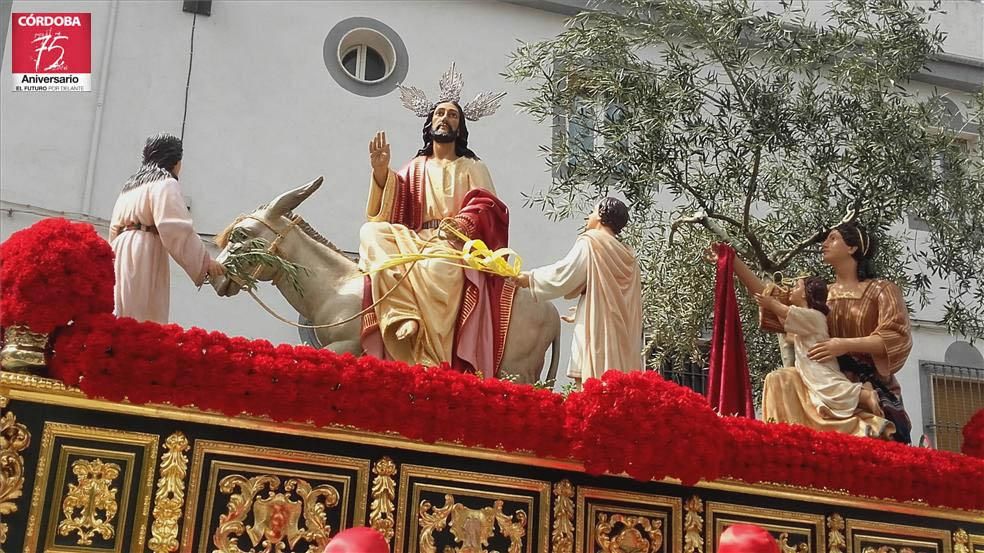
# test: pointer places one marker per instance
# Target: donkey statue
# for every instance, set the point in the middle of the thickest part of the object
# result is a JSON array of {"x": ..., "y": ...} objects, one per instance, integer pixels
[{"x": 333, "y": 285}]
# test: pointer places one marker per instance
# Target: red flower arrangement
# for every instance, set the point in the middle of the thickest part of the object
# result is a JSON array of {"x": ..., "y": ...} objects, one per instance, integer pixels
[
  {"x": 973, "y": 435},
  {"x": 635, "y": 423},
  {"x": 794, "y": 454},
  {"x": 145, "y": 362},
  {"x": 54, "y": 272},
  {"x": 646, "y": 426}
]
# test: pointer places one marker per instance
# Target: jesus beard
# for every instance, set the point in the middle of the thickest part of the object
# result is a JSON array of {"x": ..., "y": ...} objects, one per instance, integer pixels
[{"x": 444, "y": 136}]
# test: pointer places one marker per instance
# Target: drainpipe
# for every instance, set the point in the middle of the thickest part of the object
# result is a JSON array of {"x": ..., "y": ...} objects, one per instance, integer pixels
[{"x": 90, "y": 172}]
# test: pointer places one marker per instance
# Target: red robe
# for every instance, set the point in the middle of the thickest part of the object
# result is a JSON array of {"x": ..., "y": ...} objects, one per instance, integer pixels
[{"x": 485, "y": 307}]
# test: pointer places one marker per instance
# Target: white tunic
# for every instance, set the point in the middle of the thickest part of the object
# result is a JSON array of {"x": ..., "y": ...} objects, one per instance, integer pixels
[
  {"x": 143, "y": 277},
  {"x": 608, "y": 323}
]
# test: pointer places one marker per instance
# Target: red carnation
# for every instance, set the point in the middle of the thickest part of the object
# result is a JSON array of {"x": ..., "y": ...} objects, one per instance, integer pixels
[
  {"x": 973, "y": 435},
  {"x": 54, "y": 272},
  {"x": 641, "y": 424}
]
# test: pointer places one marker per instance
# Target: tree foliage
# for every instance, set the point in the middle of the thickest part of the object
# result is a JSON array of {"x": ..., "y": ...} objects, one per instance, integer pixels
[{"x": 768, "y": 127}]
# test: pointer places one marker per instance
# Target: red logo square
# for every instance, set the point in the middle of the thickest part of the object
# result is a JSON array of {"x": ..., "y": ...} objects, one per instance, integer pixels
[{"x": 51, "y": 51}]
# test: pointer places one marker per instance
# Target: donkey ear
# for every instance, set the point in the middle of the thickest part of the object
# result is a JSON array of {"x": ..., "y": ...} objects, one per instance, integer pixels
[{"x": 289, "y": 200}]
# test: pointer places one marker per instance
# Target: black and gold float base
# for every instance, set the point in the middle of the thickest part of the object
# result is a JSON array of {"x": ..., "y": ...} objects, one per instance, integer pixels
[{"x": 80, "y": 475}]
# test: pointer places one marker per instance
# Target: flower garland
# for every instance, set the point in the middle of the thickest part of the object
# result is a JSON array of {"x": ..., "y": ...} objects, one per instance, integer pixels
[
  {"x": 54, "y": 272},
  {"x": 794, "y": 454},
  {"x": 636, "y": 423},
  {"x": 145, "y": 362},
  {"x": 645, "y": 426},
  {"x": 973, "y": 436}
]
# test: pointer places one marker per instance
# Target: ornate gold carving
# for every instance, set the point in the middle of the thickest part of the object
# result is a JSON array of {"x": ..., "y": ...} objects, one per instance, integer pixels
[
  {"x": 14, "y": 438},
  {"x": 784, "y": 546},
  {"x": 276, "y": 517},
  {"x": 23, "y": 350},
  {"x": 210, "y": 458},
  {"x": 778, "y": 522},
  {"x": 836, "y": 543},
  {"x": 839, "y": 498},
  {"x": 881, "y": 537},
  {"x": 693, "y": 524},
  {"x": 471, "y": 528},
  {"x": 92, "y": 493},
  {"x": 383, "y": 495},
  {"x": 637, "y": 535},
  {"x": 169, "y": 500},
  {"x": 562, "y": 536},
  {"x": 137, "y": 475},
  {"x": 52, "y": 392},
  {"x": 535, "y": 501},
  {"x": 961, "y": 541},
  {"x": 595, "y": 506}
]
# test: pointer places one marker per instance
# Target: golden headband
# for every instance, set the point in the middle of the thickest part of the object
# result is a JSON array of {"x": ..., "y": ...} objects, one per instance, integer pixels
[{"x": 782, "y": 280}]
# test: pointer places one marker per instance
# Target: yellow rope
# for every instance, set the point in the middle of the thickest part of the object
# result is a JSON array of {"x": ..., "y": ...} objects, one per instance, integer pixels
[{"x": 474, "y": 254}]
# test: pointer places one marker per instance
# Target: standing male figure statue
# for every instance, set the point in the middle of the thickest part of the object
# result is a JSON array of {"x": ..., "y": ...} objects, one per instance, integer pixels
[
  {"x": 603, "y": 273},
  {"x": 430, "y": 311}
]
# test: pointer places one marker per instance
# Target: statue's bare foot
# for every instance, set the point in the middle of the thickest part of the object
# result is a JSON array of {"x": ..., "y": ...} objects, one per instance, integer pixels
[{"x": 406, "y": 330}]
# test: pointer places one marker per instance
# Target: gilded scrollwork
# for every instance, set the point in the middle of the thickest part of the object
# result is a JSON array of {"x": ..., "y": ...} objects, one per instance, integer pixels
[
  {"x": 693, "y": 538},
  {"x": 277, "y": 516},
  {"x": 961, "y": 541},
  {"x": 14, "y": 438},
  {"x": 784, "y": 546},
  {"x": 169, "y": 500},
  {"x": 23, "y": 350},
  {"x": 887, "y": 549},
  {"x": 836, "y": 542},
  {"x": 92, "y": 493},
  {"x": 562, "y": 536},
  {"x": 620, "y": 533},
  {"x": 471, "y": 528},
  {"x": 383, "y": 497}
]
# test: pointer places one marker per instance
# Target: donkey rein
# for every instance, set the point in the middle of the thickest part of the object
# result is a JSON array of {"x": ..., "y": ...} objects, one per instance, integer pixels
[{"x": 372, "y": 306}]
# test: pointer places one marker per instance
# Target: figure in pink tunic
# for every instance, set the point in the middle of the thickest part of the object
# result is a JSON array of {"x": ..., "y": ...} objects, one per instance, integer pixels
[{"x": 150, "y": 221}]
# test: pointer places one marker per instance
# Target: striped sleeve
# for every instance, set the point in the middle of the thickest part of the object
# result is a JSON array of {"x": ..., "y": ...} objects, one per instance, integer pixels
[{"x": 893, "y": 328}]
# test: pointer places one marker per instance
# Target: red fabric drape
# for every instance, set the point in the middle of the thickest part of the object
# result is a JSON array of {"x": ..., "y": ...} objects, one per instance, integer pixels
[{"x": 729, "y": 388}]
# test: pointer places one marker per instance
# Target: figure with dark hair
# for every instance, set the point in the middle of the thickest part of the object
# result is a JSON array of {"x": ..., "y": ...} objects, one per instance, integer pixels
[
  {"x": 870, "y": 339},
  {"x": 424, "y": 310},
  {"x": 605, "y": 274},
  {"x": 150, "y": 221},
  {"x": 805, "y": 322}
]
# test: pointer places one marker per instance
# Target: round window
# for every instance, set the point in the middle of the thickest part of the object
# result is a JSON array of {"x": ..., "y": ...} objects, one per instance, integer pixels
[{"x": 366, "y": 55}]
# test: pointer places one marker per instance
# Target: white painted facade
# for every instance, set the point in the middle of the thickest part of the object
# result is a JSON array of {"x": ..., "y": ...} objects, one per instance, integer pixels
[{"x": 264, "y": 115}]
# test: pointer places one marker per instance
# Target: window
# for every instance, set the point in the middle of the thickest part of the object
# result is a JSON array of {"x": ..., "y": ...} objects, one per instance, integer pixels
[
  {"x": 366, "y": 55},
  {"x": 364, "y": 63},
  {"x": 944, "y": 165},
  {"x": 954, "y": 394},
  {"x": 581, "y": 128}
]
